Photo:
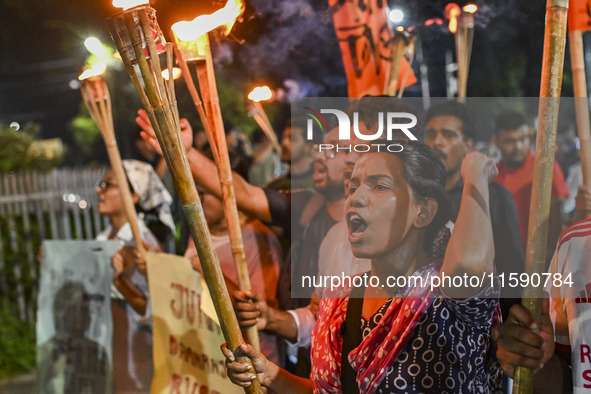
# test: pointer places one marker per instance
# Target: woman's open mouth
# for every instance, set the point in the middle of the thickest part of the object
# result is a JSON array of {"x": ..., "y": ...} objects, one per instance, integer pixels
[{"x": 357, "y": 225}]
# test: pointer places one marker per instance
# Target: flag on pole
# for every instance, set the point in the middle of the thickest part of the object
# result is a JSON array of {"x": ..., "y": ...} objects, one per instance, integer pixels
[
  {"x": 366, "y": 42},
  {"x": 579, "y": 15}
]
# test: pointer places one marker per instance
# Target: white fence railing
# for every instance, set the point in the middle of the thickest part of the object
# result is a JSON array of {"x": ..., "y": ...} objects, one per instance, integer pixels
[{"x": 60, "y": 204}]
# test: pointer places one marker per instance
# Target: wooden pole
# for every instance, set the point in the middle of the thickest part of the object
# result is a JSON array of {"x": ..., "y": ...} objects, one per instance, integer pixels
[
  {"x": 223, "y": 164},
  {"x": 392, "y": 82},
  {"x": 98, "y": 101},
  {"x": 535, "y": 259},
  {"x": 411, "y": 56},
  {"x": 174, "y": 153},
  {"x": 464, "y": 37},
  {"x": 581, "y": 102},
  {"x": 170, "y": 82},
  {"x": 194, "y": 94},
  {"x": 207, "y": 83},
  {"x": 263, "y": 121},
  {"x": 459, "y": 57}
]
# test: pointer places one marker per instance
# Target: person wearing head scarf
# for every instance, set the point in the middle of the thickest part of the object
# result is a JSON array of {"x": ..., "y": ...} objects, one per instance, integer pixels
[
  {"x": 132, "y": 318},
  {"x": 153, "y": 205}
]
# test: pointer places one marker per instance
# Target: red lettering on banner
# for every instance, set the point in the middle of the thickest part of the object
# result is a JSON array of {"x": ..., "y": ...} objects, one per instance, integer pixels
[
  {"x": 188, "y": 382},
  {"x": 190, "y": 385},
  {"x": 587, "y": 377},
  {"x": 196, "y": 359},
  {"x": 176, "y": 382},
  {"x": 177, "y": 313},
  {"x": 585, "y": 351},
  {"x": 199, "y": 306},
  {"x": 187, "y": 303},
  {"x": 191, "y": 306},
  {"x": 174, "y": 346}
]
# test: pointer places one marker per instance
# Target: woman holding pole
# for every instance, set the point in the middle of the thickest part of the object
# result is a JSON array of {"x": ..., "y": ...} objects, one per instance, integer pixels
[
  {"x": 130, "y": 303},
  {"x": 418, "y": 338}
]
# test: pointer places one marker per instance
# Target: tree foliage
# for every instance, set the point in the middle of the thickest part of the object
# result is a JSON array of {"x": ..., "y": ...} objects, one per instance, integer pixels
[{"x": 20, "y": 150}]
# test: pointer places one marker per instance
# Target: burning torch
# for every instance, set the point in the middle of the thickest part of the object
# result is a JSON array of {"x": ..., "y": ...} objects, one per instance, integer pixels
[
  {"x": 139, "y": 40},
  {"x": 192, "y": 42}
]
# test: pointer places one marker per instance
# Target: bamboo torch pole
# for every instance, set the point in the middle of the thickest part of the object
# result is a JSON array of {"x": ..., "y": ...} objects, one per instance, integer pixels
[
  {"x": 194, "y": 94},
  {"x": 581, "y": 103},
  {"x": 398, "y": 48},
  {"x": 258, "y": 94},
  {"x": 136, "y": 27},
  {"x": 411, "y": 55},
  {"x": 207, "y": 83},
  {"x": 213, "y": 126},
  {"x": 265, "y": 126},
  {"x": 460, "y": 60},
  {"x": 552, "y": 65},
  {"x": 464, "y": 39},
  {"x": 98, "y": 101}
]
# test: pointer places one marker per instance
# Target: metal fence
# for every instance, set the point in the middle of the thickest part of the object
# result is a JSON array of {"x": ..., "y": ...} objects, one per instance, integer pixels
[{"x": 34, "y": 206}]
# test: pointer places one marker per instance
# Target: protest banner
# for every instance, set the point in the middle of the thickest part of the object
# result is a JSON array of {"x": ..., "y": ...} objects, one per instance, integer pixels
[
  {"x": 74, "y": 326},
  {"x": 366, "y": 40},
  {"x": 187, "y": 356}
]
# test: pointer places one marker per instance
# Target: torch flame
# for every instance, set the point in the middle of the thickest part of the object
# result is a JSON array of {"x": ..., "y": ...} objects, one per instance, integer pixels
[
  {"x": 452, "y": 11},
  {"x": 437, "y": 21},
  {"x": 127, "y": 4},
  {"x": 399, "y": 28},
  {"x": 176, "y": 73},
  {"x": 226, "y": 17},
  {"x": 260, "y": 93},
  {"x": 470, "y": 8},
  {"x": 96, "y": 70}
]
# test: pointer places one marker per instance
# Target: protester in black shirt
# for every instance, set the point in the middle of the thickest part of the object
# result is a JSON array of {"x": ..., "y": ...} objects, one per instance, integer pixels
[{"x": 451, "y": 133}]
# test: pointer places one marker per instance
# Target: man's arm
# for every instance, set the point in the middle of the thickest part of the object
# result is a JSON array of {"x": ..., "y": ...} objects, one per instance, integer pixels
[{"x": 250, "y": 199}]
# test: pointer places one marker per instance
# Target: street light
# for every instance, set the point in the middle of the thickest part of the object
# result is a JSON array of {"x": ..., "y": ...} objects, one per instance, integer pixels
[{"x": 396, "y": 15}]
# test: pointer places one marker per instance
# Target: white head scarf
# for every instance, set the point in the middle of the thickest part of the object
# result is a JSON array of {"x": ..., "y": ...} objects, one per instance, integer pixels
[{"x": 150, "y": 189}]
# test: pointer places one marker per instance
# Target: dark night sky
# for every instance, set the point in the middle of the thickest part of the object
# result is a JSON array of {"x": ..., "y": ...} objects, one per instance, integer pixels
[{"x": 41, "y": 49}]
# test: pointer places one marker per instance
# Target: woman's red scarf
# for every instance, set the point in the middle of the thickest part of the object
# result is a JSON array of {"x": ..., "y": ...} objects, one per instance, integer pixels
[{"x": 378, "y": 350}]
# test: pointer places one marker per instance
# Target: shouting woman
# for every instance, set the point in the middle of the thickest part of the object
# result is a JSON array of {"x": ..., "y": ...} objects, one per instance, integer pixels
[{"x": 432, "y": 334}]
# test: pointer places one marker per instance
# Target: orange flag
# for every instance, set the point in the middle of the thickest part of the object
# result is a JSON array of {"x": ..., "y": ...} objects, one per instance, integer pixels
[
  {"x": 366, "y": 42},
  {"x": 579, "y": 15}
]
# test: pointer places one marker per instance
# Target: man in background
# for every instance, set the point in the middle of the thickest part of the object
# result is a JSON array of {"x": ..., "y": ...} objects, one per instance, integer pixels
[
  {"x": 516, "y": 170},
  {"x": 297, "y": 154},
  {"x": 450, "y": 131}
]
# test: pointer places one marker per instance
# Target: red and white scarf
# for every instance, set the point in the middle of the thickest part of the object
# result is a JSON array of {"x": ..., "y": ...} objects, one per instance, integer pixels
[{"x": 378, "y": 350}]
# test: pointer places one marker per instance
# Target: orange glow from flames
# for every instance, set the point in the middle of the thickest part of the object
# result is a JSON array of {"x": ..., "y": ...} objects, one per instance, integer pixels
[
  {"x": 176, "y": 73},
  {"x": 96, "y": 70},
  {"x": 127, "y": 4},
  {"x": 226, "y": 17},
  {"x": 452, "y": 11},
  {"x": 436, "y": 21},
  {"x": 260, "y": 93},
  {"x": 470, "y": 8},
  {"x": 399, "y": 28}
]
